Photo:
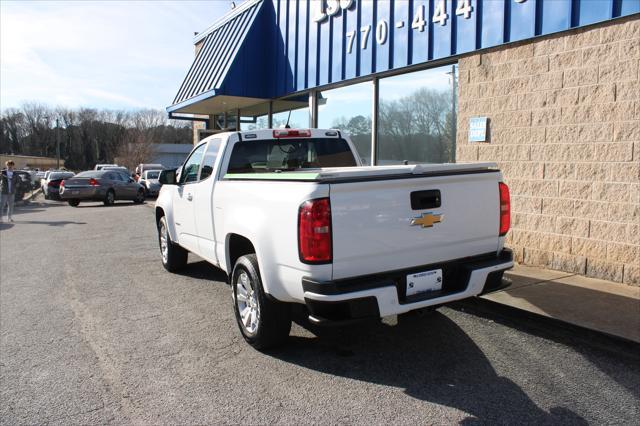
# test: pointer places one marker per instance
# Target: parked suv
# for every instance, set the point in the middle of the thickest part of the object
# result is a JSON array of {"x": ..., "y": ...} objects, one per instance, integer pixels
[{"x": 149, "y": 180}]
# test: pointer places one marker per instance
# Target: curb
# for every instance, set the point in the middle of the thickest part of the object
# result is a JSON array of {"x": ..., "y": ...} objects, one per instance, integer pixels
[{"x": 547, "y": 326}]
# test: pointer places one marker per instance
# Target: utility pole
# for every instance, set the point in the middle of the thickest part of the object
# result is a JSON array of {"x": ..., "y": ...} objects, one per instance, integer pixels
[
  {"x": 57, "y": 144},
  {"x": 454, "y": 123}
]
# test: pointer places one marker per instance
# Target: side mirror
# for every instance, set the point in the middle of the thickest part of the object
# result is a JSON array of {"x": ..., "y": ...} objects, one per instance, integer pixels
[{"x": 168, "y": 177}]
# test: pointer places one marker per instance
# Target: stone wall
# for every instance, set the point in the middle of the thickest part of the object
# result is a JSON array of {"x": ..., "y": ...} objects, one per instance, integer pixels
[{"x": 564, "y": 119}]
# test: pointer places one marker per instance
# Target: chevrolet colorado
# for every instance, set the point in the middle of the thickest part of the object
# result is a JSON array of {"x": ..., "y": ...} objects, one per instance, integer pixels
[{"x": 292, "y": 216}]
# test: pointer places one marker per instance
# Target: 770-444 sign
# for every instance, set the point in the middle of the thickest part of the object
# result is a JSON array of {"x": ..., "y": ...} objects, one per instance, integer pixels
[{"x": 325, "y": 8}]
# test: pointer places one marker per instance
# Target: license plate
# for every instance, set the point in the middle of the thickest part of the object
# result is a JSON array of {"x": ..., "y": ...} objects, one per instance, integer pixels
[
  {"x": 75, "y": 192},
  {"x": 424, "y": 282}
]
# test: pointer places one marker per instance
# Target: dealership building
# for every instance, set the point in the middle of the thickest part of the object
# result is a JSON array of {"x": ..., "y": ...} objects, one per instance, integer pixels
[{"x": 547, "y": 89}]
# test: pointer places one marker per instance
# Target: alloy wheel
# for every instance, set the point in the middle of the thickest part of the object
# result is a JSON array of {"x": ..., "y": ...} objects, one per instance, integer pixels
[
  {"x": 247, "y": 303},
  {"x": 164, "y": 241}
]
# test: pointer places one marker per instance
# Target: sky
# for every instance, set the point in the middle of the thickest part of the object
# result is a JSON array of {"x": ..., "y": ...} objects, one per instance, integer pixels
[{"x": 99, "y": 54}]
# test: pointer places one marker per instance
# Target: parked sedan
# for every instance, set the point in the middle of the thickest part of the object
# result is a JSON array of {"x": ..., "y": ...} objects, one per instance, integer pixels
[
  {"x": 100, "y": 185},
  {"x": 52, "y": 189},
  {"x": 149, "y": 180}
]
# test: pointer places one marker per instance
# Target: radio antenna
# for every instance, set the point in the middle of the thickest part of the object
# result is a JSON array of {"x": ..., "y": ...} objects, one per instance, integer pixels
[{"x": 286, "y": 126}]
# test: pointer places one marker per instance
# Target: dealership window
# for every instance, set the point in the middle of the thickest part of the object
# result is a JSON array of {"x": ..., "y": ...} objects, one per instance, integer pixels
[
  {"x": 349, "y": 109},
  {"x": 416, "y": 117},
  {"x": 294, "y": 110},
  {"x": 255, "y": 117}
]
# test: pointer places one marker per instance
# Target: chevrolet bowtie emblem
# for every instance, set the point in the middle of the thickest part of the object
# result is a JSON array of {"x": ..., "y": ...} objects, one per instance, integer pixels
[{"x": 427, "y": 220}]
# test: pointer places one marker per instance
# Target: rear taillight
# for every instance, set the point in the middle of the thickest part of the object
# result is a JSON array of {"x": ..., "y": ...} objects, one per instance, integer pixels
[
  {"x": 505, "y": 209},
  {"x": 53, "y": 183},
  {"x": 62, "y": 183},
  {"x": 291, "y": 133},
  {"x": 94, "y": 182},
  {"x": 314, "y": 231}
]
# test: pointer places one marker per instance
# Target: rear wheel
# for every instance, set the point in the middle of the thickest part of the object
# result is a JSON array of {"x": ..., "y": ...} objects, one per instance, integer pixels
[
  {"x": 110, "y": 198},
  {"x": 174, "y": 257},
  {"x": 263, "y": 322},
  {"x": 139, "y": 197},
  {"x": 74, "y": 203}
]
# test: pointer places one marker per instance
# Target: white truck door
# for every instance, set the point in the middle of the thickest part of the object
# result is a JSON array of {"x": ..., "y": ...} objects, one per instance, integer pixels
[
  {"x": 203, "y": 202},
  {"x": 183, "y": 206}
]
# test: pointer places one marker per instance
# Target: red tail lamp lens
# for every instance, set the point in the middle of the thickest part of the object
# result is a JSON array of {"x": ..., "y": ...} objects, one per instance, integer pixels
[
  {"x": 505, "y": 209},
  {"x": 314, "y": 231}
]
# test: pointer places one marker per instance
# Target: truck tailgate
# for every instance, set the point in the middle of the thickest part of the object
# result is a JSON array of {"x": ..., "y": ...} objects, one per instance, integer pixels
[{"x": 372, "y": 221}]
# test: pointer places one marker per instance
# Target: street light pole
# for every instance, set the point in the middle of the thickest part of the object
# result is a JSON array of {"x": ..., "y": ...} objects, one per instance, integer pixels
[{"x": 57, "y": 144}]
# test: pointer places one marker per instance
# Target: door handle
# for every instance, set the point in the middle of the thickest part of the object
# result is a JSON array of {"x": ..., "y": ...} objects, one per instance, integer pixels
[{"x": 189, "y": 196}]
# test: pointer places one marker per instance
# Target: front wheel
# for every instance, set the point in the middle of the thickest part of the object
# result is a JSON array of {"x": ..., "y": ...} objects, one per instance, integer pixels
[
  {"x": 174, "y": 257},
  {"x": 263, "y": 322}
]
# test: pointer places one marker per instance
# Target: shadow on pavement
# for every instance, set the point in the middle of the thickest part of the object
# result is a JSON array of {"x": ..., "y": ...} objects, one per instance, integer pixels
[
  {"x": 123, "y": 203},
  {"x": 598, "y": 348},
  {"x": 428, "y": 356},
  {"x": 50, "y": 223},
  {"x": 203, "y": 270},
  {"x": 5, "y": 225}
]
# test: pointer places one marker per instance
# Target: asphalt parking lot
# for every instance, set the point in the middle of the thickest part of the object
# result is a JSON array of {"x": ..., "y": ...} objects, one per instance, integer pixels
[{"x": 94, "y": 330}]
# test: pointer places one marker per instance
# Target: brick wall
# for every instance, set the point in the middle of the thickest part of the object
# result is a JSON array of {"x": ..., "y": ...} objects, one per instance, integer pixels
[{"x": 564, "y": 118}]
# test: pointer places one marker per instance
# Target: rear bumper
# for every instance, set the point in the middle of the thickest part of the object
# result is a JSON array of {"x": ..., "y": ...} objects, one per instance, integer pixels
[
  {"x": 83, "y": 193},
  {"x": 384, "y": 294}
]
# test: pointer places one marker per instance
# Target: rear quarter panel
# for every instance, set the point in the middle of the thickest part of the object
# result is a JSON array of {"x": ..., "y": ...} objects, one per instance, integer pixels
[{"x": 266, "y": 213}]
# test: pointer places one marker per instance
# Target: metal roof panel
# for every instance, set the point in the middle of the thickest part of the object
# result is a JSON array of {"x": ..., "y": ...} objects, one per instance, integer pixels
[{"x": 212, "y": 63}]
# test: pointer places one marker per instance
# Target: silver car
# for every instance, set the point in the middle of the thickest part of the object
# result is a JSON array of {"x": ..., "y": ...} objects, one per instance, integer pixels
[{"x": 101, "y": 185}]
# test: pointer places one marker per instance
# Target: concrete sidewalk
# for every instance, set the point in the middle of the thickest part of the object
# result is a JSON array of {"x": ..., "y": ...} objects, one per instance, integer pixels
[{"x": 590, "y": 303}]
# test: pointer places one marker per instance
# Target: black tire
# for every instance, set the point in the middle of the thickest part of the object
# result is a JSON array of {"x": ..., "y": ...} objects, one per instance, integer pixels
[
  {"x": 273, "y": 321},
  {"x": 74, "y": 203},
  {"x": 175, "y": 257},
  {"x": 140, "y": 197},
  {"x": 109, "y": 198}
]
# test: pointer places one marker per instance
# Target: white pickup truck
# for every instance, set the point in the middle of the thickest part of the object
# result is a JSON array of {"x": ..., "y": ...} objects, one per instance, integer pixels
[{"x": 292, "y": 216}]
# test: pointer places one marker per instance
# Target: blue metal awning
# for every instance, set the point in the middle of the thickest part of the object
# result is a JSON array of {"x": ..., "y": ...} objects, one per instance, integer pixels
[{"x": 212, "y": 72}]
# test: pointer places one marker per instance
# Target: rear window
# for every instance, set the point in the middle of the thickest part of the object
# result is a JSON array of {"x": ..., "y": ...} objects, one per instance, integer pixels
[
  {"x": 153, "y": 175},
  {"x": 90, "y": 174},
  {"x": 289, "y": 154},
  {"x": 55, "y": 176}
]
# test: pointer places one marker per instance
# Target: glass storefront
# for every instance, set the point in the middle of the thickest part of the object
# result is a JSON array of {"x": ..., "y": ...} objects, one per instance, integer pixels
[
  {"x": 349, "y": 109},
  {"x": 416, "y": 117},
  {"x": 255, "y": 117}
]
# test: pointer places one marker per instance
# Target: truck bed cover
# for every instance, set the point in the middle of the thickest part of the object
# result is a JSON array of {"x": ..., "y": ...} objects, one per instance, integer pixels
[{"x": 338, "y": 174}]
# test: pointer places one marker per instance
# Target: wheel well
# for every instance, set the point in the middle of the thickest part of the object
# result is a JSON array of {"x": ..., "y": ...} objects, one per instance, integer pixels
[
  {"x": 238, "y": 247},
  {"x": 159, "y": 214}
]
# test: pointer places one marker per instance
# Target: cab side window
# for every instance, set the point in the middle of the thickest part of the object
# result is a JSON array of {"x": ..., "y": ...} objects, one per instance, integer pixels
[
  {"x": 191, "y": 168},
  {"x": 210, "y": 158}
]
